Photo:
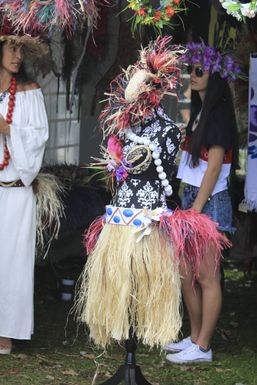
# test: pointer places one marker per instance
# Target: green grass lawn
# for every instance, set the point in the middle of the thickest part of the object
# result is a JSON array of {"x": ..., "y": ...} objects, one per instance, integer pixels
[{"x": 53, "y": 358}]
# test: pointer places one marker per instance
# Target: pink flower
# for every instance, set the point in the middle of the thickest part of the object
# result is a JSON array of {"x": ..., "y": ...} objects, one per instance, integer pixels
[{"x": 114, "y": 148}]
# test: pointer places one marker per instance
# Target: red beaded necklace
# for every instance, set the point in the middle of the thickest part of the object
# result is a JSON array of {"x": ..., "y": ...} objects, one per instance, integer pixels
[{"x": 11, "y": 103}]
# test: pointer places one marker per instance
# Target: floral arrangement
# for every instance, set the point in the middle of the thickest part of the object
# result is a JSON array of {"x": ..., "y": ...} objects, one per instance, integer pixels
[
  {"x": 115, "y": 164},
  {"x": 211, "y": 60},
  {"x": 146, "y": 14},
  {"x": 110, "y": 168},
  {"x": 33, "y": 16},
  {"x": 159, "y": 62},
  {"x": 240, "y": 10}
]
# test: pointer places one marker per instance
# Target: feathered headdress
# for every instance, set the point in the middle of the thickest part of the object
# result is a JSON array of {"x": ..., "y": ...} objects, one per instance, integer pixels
[
  {"x": 35, "y": 17},
  {"x": 140, "y": 88},
  {"x": 33, "y": 45}
]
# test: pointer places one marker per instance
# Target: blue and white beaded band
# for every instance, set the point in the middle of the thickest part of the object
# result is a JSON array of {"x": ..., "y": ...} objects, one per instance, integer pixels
[
  {"x": 140, "y": 219},
  {"x": 125, "y": 216}
]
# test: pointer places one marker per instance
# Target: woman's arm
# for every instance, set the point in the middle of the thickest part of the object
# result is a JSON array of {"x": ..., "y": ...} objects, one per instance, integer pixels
[
  {"x": 29, "y": 133},
  {"x": 215, "y": 160}
]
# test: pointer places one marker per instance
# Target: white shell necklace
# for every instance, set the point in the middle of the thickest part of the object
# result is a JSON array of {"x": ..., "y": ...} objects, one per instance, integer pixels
[{"x": 156, "y": 156}]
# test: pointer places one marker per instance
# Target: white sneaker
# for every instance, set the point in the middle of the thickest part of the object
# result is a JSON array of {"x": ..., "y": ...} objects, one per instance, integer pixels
[
  {"x": 191, "y": 354},
  {"x": 178, "y": 346}
]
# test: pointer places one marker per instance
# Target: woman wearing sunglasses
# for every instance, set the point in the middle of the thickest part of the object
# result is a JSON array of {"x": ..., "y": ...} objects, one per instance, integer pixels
[{"x": 207, "y": 155}]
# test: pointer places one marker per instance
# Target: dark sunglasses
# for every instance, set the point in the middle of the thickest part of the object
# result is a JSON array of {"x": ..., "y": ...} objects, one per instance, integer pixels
[{"x": 198, "y": 71}]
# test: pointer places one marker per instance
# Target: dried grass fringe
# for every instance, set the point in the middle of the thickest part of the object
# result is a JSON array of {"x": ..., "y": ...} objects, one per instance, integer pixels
[
  {"x": 127, "y": 284},
  {"x": 50, "y": 209}
]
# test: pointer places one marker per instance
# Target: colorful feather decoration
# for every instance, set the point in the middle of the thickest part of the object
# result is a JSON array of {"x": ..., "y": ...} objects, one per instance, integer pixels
[
  {"x": 159, "y": 61},
  {"x": 92, "y": 234},
  {"x": 192, "y": 235},
  {"x": 34, "y": 17}
]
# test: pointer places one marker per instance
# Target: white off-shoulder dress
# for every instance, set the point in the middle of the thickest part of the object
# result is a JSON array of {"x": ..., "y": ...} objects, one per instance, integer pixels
[{"x": 26, "y": 143}]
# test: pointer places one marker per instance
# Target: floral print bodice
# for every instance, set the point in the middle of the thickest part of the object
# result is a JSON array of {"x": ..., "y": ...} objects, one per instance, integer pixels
[{"x": 142, "y": 188}]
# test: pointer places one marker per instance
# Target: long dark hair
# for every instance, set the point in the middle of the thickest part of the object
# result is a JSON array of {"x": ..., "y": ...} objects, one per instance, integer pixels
[
  {"x": 217, "y": 91},
  {"x": 21, "y": 76}
]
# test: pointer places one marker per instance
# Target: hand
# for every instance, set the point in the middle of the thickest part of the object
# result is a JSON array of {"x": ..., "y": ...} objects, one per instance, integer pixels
[{"x": 4, "y": 126}]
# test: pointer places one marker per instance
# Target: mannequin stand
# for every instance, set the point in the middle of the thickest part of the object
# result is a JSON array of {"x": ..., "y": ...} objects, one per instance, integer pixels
[{"x": 129, "y": 373}]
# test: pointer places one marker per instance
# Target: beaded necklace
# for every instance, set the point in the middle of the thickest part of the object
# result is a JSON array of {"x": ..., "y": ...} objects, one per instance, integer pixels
[
  {"x": 11, "y": 104},
  {"x": 155, "y": 155}
]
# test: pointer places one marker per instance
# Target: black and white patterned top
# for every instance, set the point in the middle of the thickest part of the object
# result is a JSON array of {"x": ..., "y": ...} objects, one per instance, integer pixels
[{"x": 143, "y": 188}]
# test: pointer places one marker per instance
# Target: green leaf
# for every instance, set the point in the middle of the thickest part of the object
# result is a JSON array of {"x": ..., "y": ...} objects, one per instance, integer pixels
[{"x": 234, "y": 7}]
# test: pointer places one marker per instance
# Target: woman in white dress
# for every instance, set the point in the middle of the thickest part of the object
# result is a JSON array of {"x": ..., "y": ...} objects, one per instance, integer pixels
[{"x": 23, "y": 134}]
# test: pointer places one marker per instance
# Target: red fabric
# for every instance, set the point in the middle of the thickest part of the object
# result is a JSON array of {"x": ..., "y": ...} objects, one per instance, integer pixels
[{"x": 204, "y": 152}]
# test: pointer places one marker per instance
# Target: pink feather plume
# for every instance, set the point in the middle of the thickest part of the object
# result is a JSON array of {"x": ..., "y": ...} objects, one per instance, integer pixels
[
  {"x": 193, "y": 235},
  {"x": 114, "y": 148},
  {"x": 92, "y": 233}
]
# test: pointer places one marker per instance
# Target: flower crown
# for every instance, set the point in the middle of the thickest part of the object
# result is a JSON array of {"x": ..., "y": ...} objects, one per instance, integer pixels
[
  {"x": 240, "y": 10},
  {"x": 211, "y": 60},
  {"x": 138, "y": 90},
  {"x": 157, "y": 17}
]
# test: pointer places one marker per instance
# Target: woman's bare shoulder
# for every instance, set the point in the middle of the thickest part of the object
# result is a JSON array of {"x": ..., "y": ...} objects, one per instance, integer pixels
[{"x": 28, "y": 86}]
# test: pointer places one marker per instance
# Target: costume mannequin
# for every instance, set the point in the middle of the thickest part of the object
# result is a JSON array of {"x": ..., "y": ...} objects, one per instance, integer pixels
[{"x": 131, "y": 279}]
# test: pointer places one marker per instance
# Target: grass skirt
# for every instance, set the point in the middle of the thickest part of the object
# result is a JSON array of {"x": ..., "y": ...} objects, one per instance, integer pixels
[{"x": 131, "y": 284}]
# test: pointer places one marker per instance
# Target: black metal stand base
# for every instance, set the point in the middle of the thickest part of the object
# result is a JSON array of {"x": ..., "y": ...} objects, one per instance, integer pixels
[{"x": 129, "y": 373}]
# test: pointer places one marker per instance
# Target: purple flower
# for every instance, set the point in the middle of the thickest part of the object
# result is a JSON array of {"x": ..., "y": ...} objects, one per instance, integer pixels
[
  {"x": 224, "y": 74},
  {"x": 111, "y": 166},
  {"x": 127, "y": 164},
  {"x": 121, "y": 174}
]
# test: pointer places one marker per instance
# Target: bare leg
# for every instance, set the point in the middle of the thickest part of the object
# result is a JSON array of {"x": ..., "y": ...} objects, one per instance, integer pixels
[
  {"x": 209, "y": 280},
  {"x": 193, "y": 300}
]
